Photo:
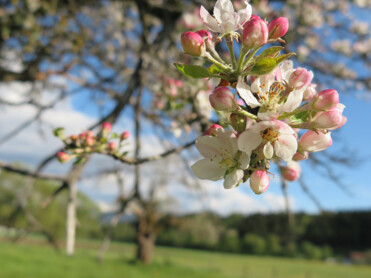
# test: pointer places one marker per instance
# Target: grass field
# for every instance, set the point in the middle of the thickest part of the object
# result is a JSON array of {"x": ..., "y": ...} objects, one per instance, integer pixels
[{"x": 35, "y": 260}]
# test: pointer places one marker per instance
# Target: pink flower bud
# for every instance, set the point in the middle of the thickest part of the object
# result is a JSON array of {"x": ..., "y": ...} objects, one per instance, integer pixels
[
  {"x": 222, "y": 99},
  {"x": 63, "y": 157},
  {"x": 343, "y": 121},
  {"x": 89, "y": 133},
  {"x": 292, "y": 171},
  {"x": 212, "y": 129},
  {"x": 73, "y": 137},
  {"x": 111, "y": 146},
  {"x": 178, "y": 83},
  {"x": 192, "y": 43},
  {"x": 82, "y": 135},
  {"x": 204, "y": 33},
  {"x": 278, "y": 27},
  {"x": 106, "y": 126},
  {"x": 313, "y": 141},
  {"x": 90, "y": 141},
  {"x": 125, "y": 135},
  {"x": 310, "y": 92},
  {"x": 255, "y": 32},
  {"x": 300, "y": 77},
  {"x": 259, "y": 181},
  {"x": 326, "y": 99},
  {"x": 299, "y": 156},
  {"x": 329, "y": 119}
]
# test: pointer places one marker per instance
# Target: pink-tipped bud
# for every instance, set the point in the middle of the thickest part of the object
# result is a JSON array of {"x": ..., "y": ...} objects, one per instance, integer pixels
[
  {"x": 106, "y": 126},
  {"x": 300, "y": 156},
  {"x": 178, "y": 83},
  {"x": 343, "y": 121},
  {"x": 192, "y": 43},
  {"x": 63, "y": 157},
  {"x": 73, "y": 137},
  {"x": 82, "y": 135},
  {"x": 278, "y": 27},
  {"x": 111, "y": 146},
  {"x": 326, "y": 99},
  {"x": 313, "y": 141},
  {"x": 292, "y": 171},
  {"x": 310, "y": 92},
  {"x": 212, "y": 129},
  {"x": 125, "y": 135},
  {"x": 204, "y": 33},
  {"x": 89, "y": 133},
  {"x": 90, "y": 141},
  {"x": 259, "y": 181},
  {"x": 300, "y": 77},
  {"x": 222, "y": 99},
  {"x": 255, "y": 32},
  {"x": 330, "y": 119}
]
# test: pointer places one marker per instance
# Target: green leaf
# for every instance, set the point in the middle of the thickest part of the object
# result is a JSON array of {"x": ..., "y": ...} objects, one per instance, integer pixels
[
  {"x": 193, "y": 71},
  {"x": 263, "y": 66},
  {"x": 213, "y": 69},
  {"x": 284, "y": 57},
  {"x": 273, "y": 52},
  {"x": 124, "y": 153}
]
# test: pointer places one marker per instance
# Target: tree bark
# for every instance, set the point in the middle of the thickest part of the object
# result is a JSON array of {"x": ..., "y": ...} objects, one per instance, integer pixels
[
  {"x": 71, "y": 219},
  {"x": 145, "y": 247}
]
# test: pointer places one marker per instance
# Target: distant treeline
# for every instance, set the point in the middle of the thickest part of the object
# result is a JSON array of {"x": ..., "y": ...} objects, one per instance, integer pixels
[{"x": 315, "y": 236}]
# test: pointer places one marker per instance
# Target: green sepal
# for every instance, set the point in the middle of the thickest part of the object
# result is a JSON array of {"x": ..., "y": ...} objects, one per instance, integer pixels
[
  {"x": 284, "y": 57},
  {"x": 271, "y": 52},
  {"x": 193, "y": 71},
  {"x": 300, "y": 117},
  {"x": 263, "y": 66}
]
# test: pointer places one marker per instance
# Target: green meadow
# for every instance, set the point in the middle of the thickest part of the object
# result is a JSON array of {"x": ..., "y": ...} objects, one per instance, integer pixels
[{"x": 34, "y": 259}]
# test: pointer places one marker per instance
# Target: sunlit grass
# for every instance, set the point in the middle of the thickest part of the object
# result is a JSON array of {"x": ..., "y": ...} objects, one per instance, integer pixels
[{"x": 32, "y": 259}]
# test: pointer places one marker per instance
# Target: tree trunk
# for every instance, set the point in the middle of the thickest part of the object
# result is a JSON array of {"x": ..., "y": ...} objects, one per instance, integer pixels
[
  {"x": 145, "y": 247},
  {"x": 71, "y": 219}
]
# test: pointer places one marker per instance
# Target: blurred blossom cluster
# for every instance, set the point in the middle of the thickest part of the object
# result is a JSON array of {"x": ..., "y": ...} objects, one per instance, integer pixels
[
  {"x": 77, "y": 146},
  {"x": 275, "y": 113}
]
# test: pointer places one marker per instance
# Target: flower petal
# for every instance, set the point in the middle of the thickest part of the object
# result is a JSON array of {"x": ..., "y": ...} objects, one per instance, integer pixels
[
  {"x": 208, "y": 20},
  {"x": 228, "y": 140},
  {"x": 287, "y": 67},
  {"x": 207, "y": 170},
  {"x": 223, "y": 10},
  {"x": 248, "y": 141},
  {"x": 285, "y": 147},
  {"x": 268, "y": 150},
  {"x": 233, "y": 179},
  {"x": 244, "y": 161},
  {"x": 244, "y": 15},
  {"x": 244, "y": 92},
  {"x": 209, "y": 146}
]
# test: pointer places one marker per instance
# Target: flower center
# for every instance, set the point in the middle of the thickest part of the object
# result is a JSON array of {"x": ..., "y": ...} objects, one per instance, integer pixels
[{"x": 269, "y": 134}]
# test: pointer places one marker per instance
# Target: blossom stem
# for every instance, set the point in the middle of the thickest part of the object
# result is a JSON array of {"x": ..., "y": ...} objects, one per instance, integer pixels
[
  {"x": 229, "y": 41},
  {"x": 245, "y": 113},
  {"x": 241, "y": 58},
  {"x": 210, "y": 48},
  {"x": 251, "y": 55},
  {"x": 220, "y": 65}
]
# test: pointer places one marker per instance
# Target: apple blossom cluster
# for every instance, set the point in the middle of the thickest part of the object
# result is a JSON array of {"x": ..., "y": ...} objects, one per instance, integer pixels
[
  {"x": 77, "y": 146},
  {"x": 275, "y": 113}
]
